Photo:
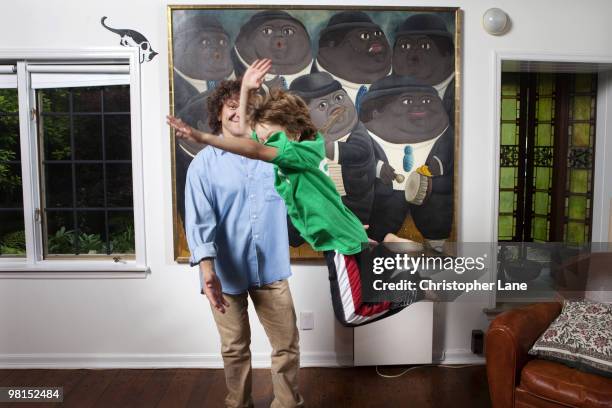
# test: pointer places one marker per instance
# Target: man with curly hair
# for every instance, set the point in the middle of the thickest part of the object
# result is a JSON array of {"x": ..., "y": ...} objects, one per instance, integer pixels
[{"x": 236, "y": 229}]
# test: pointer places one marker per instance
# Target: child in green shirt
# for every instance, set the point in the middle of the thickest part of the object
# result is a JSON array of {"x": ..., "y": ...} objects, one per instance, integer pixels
[{"x": 284, "y": 135}]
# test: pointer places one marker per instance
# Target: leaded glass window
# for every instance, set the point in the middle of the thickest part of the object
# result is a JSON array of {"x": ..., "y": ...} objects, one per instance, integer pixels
[
  {"x": 547, "y": 147},
  {"x": 87, "y": 170}
]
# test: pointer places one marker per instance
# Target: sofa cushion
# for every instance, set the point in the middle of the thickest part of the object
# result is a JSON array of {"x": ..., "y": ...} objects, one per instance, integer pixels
[
  {"x": 559, "y": 383},
  {"x": 581, "y": 337}
]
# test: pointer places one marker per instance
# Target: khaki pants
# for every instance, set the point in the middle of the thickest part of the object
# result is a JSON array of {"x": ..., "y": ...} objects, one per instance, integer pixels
[{"x": 274, "y": 307}]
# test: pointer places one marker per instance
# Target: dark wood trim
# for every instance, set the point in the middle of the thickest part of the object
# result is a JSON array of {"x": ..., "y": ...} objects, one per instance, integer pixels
[
  {"x": 559, "y": 181},
  {"x": 594, "y": 127},
  {"x": 529, "y": 155},
  {"x": 522, "y": 141}
]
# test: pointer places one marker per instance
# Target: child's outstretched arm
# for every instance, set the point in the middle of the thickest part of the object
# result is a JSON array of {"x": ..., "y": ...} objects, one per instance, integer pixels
[
  {"x": 251, "y": 80},
  {"x": 242, "y": 146}
]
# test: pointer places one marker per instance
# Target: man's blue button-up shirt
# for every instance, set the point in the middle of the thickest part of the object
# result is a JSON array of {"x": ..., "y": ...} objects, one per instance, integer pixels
[{"x": 234, "y": 215}]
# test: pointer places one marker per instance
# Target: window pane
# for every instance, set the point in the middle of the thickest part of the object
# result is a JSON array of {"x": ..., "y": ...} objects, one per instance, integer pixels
[
  {"x": 578, "y": 181},
  {"x": 58, "y": 185},
  {"x": 55, "y": 100},
  {"x": 121, "y": 229},
  {"x": 541, "y": 203},
  {"x": 584, "y": 82},
  {"x": 9, "y": 131},
  {"x": 509, "y": 107},
  {"x": 510, "y": 84},
  {"x": 540, "y": 229},
  {"x": 117, "y": 99},
  {"x": 509, "y": 135},
  {"x": 577, "y": 207},
  {"x": 546, "y": 84},
  {"x": 118, "y": 141},
  {"x": 11, "y": 194},
  {"x": 89, "y": 185},
  {"x": 12, "y": 234},
  {"x": 12, "y": 230},
  {"x": 94, "y": 176},
  {"x": 60, "y": 232},
  {"x": 92, "y": 235},
  {"x": 575, "y": 233},
  {"x": 88, "y": 137},
  {"x": 506, "y": 229},
  {"x": 119, "y": 180},
  {"x": 542, "y": 176},
  {"x": 506, "y": 201},
  {"x": 582, "y": 107},
  {"x": 56, "y": 137},
  {"x": 545, "y": 109},
  {"x": 544, "y": 135},
  {"x": 506, "y": 177},
  {"x": 87, "y": 99},
  {"x": 581, "y": 134}
]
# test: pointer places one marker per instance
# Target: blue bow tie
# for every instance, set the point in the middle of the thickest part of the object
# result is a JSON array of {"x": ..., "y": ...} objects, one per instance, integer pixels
[{"x": 212, "y": 83}]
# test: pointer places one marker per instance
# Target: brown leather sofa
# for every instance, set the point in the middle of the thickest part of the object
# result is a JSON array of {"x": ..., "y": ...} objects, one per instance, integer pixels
[{"x": 517, "y": 379}]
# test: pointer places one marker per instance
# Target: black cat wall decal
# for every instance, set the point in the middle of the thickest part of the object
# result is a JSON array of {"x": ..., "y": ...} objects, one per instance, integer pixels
[{"x": 132, "y": 38}]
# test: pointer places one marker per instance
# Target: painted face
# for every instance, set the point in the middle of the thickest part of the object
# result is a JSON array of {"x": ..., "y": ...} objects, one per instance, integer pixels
[
  {"x": 410, "y": 117},
  {"x": 205, "y": 56},
  {"x": 282, "y": 40},
  {"x": 420, "y": 56},
  {"x": 324, "y": 108},
  {"x": 265, "y": 130},
  {"x": 362, "y": 55},
  {"x": 230, "y": 119}
]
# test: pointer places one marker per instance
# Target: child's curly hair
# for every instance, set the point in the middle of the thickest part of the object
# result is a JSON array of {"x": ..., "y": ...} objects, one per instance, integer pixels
[{"x": 283, "y": 109}]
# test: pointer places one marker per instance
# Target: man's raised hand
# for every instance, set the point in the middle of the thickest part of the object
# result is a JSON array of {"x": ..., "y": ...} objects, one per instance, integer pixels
[{"x": 255, "y": 73}]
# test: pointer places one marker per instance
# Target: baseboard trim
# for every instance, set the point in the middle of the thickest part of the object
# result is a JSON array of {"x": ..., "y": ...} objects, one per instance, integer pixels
[
  {"x": 207, "y": 360},
  {"x": 76, "y": 361}
]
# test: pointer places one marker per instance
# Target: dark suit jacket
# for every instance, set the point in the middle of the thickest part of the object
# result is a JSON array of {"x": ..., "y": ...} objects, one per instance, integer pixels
[{"x": 358, "y": 161}]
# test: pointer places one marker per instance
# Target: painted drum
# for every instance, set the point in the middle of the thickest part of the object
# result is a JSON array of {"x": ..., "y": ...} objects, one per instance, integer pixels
[{"x": 417, "y": 187}]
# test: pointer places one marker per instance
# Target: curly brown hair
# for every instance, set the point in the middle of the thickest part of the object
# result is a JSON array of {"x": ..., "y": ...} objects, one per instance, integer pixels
[
  {"x": 284, "y": 109},
  {"x": 226, "y": 90}
]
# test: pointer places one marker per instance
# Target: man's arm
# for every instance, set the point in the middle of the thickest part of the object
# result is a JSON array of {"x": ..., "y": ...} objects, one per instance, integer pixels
[
  {"x": 212, "y": 285},
  {"x": 200, "y": 230}
]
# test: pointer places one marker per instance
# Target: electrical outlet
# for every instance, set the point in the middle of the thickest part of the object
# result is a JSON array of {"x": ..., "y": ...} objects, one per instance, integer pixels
[
  {"x": 306, "y": 320},
  {"x": 477, "y": 341}
]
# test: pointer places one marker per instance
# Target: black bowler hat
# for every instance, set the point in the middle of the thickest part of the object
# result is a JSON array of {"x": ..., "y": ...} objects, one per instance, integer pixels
[
  {"x": 259, "y": 18},
  {"x": 314, "y": 85},
  {"x": 395, "y": 85},
  {"x": 199, "y": 22},
  {"x": 346, "y": 20},
  {"x": 424, "y": 24}
]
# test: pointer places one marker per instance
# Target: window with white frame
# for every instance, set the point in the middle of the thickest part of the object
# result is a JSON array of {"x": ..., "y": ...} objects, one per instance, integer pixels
[{"x": 71, "y": 196}]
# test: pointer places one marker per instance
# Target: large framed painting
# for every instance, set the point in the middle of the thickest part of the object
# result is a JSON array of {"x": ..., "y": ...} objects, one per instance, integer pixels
[{"x": 382, "y": 83}]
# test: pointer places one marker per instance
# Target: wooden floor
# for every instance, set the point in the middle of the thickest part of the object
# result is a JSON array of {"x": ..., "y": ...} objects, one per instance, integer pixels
[{"x": 321, "y": 387}]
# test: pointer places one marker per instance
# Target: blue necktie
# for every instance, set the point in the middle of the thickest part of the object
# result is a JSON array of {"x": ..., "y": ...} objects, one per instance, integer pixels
[
  {"x": 408, "y": 158},
  {"x": 360, "y": 93},
  {"x": 212, "y": 83},
  {"x": 284, "y": 85}
]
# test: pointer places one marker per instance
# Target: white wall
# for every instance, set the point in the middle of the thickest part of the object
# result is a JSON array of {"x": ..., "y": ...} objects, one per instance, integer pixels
[{"x": 163, "y": 320}]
